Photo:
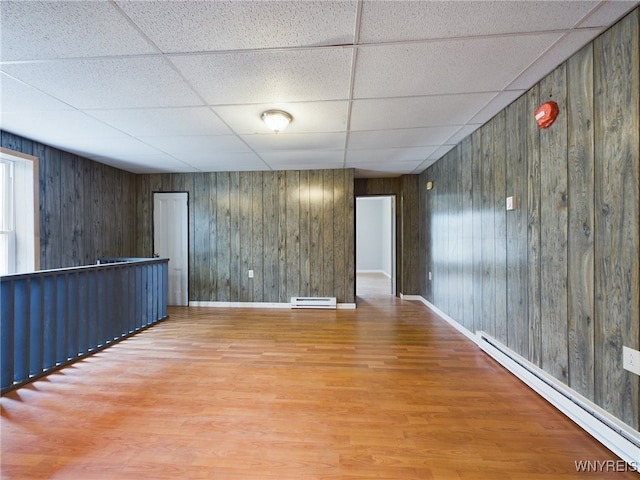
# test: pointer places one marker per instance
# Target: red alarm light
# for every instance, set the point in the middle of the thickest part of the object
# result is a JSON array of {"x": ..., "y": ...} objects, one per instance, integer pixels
[{"x": 546, "y": 114}]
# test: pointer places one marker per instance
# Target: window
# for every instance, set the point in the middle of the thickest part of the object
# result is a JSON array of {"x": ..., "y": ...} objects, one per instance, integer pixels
[{"x": 19, "y": 239}]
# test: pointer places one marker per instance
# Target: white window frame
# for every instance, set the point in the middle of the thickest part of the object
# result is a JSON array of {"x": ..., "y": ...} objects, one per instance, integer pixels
[{"x": 14, "y": 157}]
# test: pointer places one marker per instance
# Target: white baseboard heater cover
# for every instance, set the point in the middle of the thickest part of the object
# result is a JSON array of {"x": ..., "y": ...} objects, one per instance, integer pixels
[
  {"x": 313, "y": 302},
  {"x": 608, "y": 430}
]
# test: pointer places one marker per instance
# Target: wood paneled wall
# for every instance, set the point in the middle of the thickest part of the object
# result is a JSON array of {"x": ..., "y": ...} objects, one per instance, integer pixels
[
  {"x": 86, "y": 208},
  {"x": 557, "y": 279},
  {"x": 408, "y": 241},
  {"x": 294, "y": 229}
]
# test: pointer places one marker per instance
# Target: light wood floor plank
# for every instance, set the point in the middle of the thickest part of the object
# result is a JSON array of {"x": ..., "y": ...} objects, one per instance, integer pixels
[{"x": 386, "y": 391}]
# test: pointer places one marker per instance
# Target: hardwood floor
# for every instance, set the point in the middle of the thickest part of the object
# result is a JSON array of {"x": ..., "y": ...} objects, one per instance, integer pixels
[{"x": 385, "y": 391}]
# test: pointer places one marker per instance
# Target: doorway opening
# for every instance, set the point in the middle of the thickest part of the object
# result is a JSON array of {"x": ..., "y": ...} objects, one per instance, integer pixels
[{"x": 376, "y": 245}]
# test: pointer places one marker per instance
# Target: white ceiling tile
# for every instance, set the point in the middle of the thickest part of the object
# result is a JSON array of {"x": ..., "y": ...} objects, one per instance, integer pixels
[
  {"x": 609, "y": 13},
  {"x": 185, "y": 147},
  {"x": 16, "y": 96},
  {"x": 440, "y": 152},
  {"x": 451, "y": 66},
  {"x": 388, "y": 155},
  {"x": 120, "y": 147},
  {"x": 308, "y": 117},
  {"x": 463, "y": 133},
  {"x": 320, "y": 158},
  {"x": 164, "y": 121},
  {"x": 296, "y": 141},
  {"x": 389, "y": 167},
  {"x": 410, "y": 112},
  {"x": 500, "y": 101},
  {"x": 92, "y": 76},
  {"x": 392, "y": 21},
  {"x": 227, "y": 162},
  {"x": 158, "y": 163},
  {"x": 108, "y": 83},
  {"x": 80, "y": 29},
  {"x": 231, "y": 25},
  {"x": 57, "y": 127},
  {"x": 269, "y": 76},
  {"x": 403, "y": 137},
  {"x": 564, "y": 48}
]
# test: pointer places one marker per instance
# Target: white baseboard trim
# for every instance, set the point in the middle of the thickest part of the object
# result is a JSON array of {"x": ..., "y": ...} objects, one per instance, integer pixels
[
  {"x": 615, "y": 435},
  {"x": 240, "y": 304},
  {"x": 388, "y": 275},
  {"x": 346, "y": 306},
  {"x": 467, "y": 333},
  {"x": 286, "y": 306}
]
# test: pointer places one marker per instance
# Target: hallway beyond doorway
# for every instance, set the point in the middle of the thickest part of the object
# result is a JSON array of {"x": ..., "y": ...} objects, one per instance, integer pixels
[{"x": 372, "y": 284}]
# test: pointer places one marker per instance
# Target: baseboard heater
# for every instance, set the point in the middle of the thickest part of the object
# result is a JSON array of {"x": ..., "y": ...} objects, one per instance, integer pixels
[
  {"x": 314, "y": 302},
  {"x": 618, "y": 437}
]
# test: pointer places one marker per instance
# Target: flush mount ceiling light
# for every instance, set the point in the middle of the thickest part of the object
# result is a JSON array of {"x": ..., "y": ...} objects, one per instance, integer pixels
[{"x": 276, "y": 120}]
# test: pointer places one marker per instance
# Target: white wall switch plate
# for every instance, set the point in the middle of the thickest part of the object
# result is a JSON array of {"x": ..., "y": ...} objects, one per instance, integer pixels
[
  {"x": 250, "y": 273},
  {"x": 511, "y": 203},
  {"x": 631, "y": 360}
]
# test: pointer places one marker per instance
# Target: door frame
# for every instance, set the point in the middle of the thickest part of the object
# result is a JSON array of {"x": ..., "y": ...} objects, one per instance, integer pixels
[
  {"x": 394, "y": 237},
  {"x": 153, "y": 236}
]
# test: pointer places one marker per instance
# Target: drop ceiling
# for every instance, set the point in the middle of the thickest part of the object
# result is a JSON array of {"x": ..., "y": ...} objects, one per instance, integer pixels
[{"x": 384, "y": 87}]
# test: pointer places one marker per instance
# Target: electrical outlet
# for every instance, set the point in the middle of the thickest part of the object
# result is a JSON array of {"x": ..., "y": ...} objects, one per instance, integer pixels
[
  {"x": 429, "y": 275},
  {"x": 631, "y": 360},
  {"x": 250, "y": 273}
]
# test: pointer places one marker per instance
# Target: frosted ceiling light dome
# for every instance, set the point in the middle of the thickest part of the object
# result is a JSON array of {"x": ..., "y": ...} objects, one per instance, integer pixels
[{"x": 276, "y": 120}]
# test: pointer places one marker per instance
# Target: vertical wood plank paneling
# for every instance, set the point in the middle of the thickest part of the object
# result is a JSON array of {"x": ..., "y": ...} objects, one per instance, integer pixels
[
  {"x": 52, "y": 212},
  {"x": 437, "y": 230},
  {"x": 572, "y": 246},
  {"x": 581, "y": 211},
  {"x": 466, "y": 233},
  {"x": 199, "y": 209},
  {"x": 349, "y": 237},
  {"x": 68, "y": 215},
  {"x": 223, "y": 240},
  {"x": 339, "y": 220},
  {"x": 128, "y": 211},
  {"x": 488, "y": 231},
  {"x": 245, "y": 229},
  {"x": 184, "y": 182},
  {"x": 87, "y": 219},
  {"x": 304, "y": 216},
  {"x": 476, "y": 229},
  {"x": 316, "y": 246},
  {"x": 271, "y": 222},
  {"x": 116, "y": 212},
  {"x": 283, "y": 239},
  {"x": 554, "y": 215},
  {"x": 617, "y": 177},
  {"x": 234, "y": 213},
  {"x": 499, "y": 159},
  {"x": 411, "y": 234},
  {"x": 144, "y": 215},
  {"x": 517, "y": 116},
  {"x": 452, "y": 241},
  {"x": 533, "y": 229},
  {"x": 293, "y": 233},
  {"x": 425, "y": 237},
  {"x": 257, "y": 228},
  {"x": 211, "y": 288},
  {"x": 327, "y": 233},
  {"x": 97, "y": 211}
]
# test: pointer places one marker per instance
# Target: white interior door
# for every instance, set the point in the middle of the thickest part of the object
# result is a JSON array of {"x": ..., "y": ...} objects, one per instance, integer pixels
[{"x": 170, "y": 240}]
